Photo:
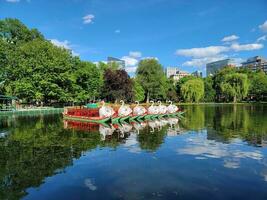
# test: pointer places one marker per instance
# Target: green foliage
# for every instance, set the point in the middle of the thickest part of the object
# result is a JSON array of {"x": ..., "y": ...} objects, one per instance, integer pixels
[
  {"x": 139, "y": 92},
  {"x": 88, "y": 81},
  {"x": 151, "y": 76},
  {"x": 193, "y": 90},
  {"x": 234, "y": 87},
  {"x": 13, "y": 31},
  {"x": 209, "y": 90},
  {"x": 180, "y": 83},
  {"x": 258, "y": 86}
]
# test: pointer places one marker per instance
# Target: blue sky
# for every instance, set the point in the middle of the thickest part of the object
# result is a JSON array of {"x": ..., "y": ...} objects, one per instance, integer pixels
[{"x": 183, "y": 33}]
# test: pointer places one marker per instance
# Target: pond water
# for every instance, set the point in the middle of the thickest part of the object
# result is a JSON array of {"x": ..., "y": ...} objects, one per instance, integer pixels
[{"x": 215, "y": 152}]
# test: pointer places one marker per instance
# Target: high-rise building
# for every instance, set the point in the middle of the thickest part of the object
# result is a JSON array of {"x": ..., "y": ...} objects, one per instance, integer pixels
[
  {"x": 213, "y": 67},
  {"x": 256, "y": 63},
  {"x": 119, "y": 62},
  {"x": 197, "y": 73}
]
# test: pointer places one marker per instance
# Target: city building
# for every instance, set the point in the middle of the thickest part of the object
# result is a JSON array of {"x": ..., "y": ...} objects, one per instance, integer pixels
[
  {"x": 170, "y": 71},
  {"x": 197, "y": 74},
  {"x": 256, "y": 63},
  {"x": 213, "y": 67},
  {"x": 121, "y": 63},
  {"x": 175, "y": 73},
  {"x": 179, "y": 74}
]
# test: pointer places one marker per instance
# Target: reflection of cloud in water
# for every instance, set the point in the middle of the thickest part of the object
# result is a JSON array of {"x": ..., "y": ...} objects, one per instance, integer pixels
[
  {"x": 131, "y": 144},
  {"x": 199, "y": 146},
  {"x": 89, "y": 184},
  {"x": 232, "y": 164},
  {"x": 264, "y": 174}
]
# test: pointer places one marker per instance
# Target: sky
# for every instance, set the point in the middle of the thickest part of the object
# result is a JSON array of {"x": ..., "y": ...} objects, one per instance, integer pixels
[{"x": 183, "y": 33}]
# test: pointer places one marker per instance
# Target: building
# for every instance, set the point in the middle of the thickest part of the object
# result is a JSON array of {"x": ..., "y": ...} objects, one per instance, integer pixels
[
  {"x": 175, "y": 73},
  {"x": 256, "y": 63},
  {"x": 213, "y": 67},
  {"x": 119, "y": 62},
  {"x": 179, "y": 74},
  {"x": 170, "y": 71},
  {"x": 197, "y": 74}
]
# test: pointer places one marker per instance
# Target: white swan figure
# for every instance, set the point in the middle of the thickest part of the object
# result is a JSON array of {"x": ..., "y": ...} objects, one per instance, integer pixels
[
  {"x": 162, "y": 108},
  {"x": 172, "y": 108},
  {"x": 152, "y": 109},
  {"x": 105, "y": 131},
  {"x": 139, "y": 126},
  {"x": 124, "y": 110},
  {"x": 105, "y": 111},
  {"x": 139, "y": 110}
]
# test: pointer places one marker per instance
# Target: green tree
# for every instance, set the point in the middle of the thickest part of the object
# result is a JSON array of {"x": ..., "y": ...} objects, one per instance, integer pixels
[
  {"x": 88, "y": 81},
  {"x": 209, "y": 90},
  {"x": 193, "y": 90},
  {"x": 151, "y": 76},
  {"x": 219, "y": 78},
  {"x": 13, "y": 31},
  {"x": 258, "y": 85},
  {"x": 180, "y": 82},
  {"x": 234, "y": 86},
  {"x": 139, "y": 92}
]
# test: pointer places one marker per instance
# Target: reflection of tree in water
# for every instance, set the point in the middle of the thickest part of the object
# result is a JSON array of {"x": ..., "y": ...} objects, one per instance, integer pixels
[
  {"x": 151, "y": 141},
  {"x": 225, "y": 122},
  {"x": 38, "y": 149},
  {"x": 247, "y": 122},
  {"x": 194, "y": 118}
]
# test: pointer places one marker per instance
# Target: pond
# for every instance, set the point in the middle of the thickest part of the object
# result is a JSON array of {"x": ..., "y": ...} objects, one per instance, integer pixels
[{"x": 215, "y": 152}]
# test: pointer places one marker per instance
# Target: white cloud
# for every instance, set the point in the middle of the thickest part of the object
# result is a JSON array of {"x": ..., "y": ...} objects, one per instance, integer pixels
[
  {"x": 230, "y": 38},
  {"x": 199, "y": 62},
  {"x": 262, "y": 38},
  {"x": 88, "y": 19},
  {"x": 246, "y": 47},
  {"x": 117, "y": 31},
  {"x": 64, "y": 44},
  {"x": 12, "y": 1},
  {"x": 129, "y": 61},
  {"x": 135, "y": 54},
  {"x": 202, "y": 52},
  {"x": 151, "y": 57},
  {"x": 263, "y": 26}
]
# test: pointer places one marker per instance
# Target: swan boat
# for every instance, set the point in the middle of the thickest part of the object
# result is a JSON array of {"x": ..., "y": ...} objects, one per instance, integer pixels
[{"x": 125, "y": 113}]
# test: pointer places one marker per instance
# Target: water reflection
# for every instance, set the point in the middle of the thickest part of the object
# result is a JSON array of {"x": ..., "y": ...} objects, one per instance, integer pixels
[{"x": 212, "y": 147}]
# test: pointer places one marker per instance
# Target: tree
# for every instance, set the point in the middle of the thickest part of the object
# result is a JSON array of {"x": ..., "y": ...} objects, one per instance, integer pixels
[
  {"x": 209, "y": 90},
  {"x": 117, "y": 85},
  {"x": 139, "y": 92},
  {"x": 235, "y": 86},
  {"x": 219, "y": 78},
  {"x": 88, "y": 81},
  {"x": 193, "y": 90},
  {"x": 181, "y": 82},
  {"x": 258, "y": 86},
  {"x": 151, "y": 76},
  {"x": 13, "y": 31},
  {"x": 44, "y": 68},
  {"x": 171, "y": 91}
]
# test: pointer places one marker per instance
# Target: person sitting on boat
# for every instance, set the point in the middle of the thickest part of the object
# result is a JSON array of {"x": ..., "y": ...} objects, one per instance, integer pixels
[
  {"x": 124, "y": 110},
  {"x": 162, "y": 108},
  {"x": 105, "y": 111},
  {"x": 172, "y": 108},
  {"x": 139, "y": 110}
]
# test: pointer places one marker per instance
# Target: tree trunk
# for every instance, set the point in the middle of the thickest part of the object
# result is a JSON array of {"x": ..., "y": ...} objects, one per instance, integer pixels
[
  {"x": 235, "y": 99},
  {"x": 147, "y": 98}
]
